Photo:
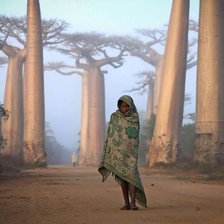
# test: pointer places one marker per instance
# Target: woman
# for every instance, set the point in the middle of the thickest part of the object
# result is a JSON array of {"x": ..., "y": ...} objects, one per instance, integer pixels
[{"x": 121, "y": 153}]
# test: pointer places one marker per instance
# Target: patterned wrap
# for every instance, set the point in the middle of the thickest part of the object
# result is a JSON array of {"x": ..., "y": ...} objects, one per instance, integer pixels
[{"x": 121, "y": 149}]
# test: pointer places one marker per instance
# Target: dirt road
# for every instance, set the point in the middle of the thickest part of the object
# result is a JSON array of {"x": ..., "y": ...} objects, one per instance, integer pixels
[{"x": 67, "y": 195}]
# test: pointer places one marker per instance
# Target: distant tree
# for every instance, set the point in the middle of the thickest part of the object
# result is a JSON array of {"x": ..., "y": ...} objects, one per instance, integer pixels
[
  {"x": 146, "y": 85},
  {"x": 92, "y": 51},
  {"x": 151, "y": 51},
  {"x": 56, "y": 153}
]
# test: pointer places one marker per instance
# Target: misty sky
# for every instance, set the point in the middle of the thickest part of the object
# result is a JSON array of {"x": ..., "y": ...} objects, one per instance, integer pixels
[{"x": 121, "y": 17}]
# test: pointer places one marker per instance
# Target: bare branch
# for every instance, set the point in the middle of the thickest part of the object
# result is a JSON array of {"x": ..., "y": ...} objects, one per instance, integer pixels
[
  {"x": 81, "y": 65},
  {"x": 10, "y": 50},
  {"x": 53, "y": 31},
  {"x": 93, "y": 49},
  {"x": 190, "y": 116},
  {"x": 16, "y": 28},
  {"x": 155, "y": 36},
  {"x": 147, "y": 81},
  {"x": 192, "y": 64},
  {"x": 119, "y": 64},
  {"x": 59, "y": 66}
]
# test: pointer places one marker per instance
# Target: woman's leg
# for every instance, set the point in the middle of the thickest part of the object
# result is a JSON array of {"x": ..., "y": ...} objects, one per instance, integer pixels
[
  {"x": 132, "y": 190},
  {"x": 124, "y": 187}
]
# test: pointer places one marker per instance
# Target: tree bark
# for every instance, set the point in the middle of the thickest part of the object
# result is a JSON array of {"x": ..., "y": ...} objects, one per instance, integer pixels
[
  {"x": 210, "y": 83},
  {"x": 150, "y": 102},
  {"x": 165, "y": 143},
  {"x": 157, "y": 86},
  {"x": 96, "y": 116},
  {"x": 84, "y": 121},
  {"x": 12, "y": 128},
  {"x": 34, "y": 151}
]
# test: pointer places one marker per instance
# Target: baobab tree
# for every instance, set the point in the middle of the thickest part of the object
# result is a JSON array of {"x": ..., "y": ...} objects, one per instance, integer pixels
[
  {"x": 150, "y": 53},
  {"x": 90, "y": 51},
  {"x": 13, "y": 100},
  {"x": 34, "y": 153},
  {"x": 13, "y": 128},
  {"x": 165, "y": 142},
  {"x": 15, "y": 32},
  {"x": 210, "y": 82},
  {"x": 152, "y": 50}
]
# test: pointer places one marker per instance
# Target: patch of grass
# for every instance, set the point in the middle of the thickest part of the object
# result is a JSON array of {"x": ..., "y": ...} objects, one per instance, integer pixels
[
  {"x": 185, "y": 166},
  {"x": 161, "y": 165},
  {"x": 194, "y": 172},
  {"x": 215, "y": 176}
]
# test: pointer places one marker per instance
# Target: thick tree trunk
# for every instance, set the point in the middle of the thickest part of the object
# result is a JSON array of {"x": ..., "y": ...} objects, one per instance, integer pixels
[
  {"x": 84, "y": 120},
  {"x": 12, "y": 128},
  {"x": 210, "y": 85},
  {"x": 96, "y": 116},
  {"x": 165, "y": 143},
  {"x": 34, "y": 152}
]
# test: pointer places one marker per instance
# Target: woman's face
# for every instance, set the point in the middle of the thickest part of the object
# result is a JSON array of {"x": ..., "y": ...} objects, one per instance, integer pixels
[{"x": 124, "y": 107}]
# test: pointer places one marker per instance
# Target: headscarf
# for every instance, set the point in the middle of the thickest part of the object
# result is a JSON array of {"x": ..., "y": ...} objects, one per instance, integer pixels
[{"x": 128, "y": 100}]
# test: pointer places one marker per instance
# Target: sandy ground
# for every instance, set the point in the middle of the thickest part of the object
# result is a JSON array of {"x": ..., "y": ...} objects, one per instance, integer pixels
[{"x": 64, "y": 195}]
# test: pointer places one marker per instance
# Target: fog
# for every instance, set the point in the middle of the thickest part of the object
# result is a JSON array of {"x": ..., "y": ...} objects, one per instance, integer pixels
[{"x": 63, "y": 93}]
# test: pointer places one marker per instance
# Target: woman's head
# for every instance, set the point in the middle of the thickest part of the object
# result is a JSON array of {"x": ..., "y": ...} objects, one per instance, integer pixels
[{"x": 126, "y": 105}]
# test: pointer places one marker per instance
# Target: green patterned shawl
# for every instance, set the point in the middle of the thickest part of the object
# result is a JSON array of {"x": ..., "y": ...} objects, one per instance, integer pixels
[{"x": 121, "y": 149}]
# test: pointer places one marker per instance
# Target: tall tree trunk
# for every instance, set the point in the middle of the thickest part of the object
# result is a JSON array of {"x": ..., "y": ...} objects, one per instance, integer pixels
[
  {"x": 84, "y": 120},
  {"x": 150, "y": 102},
  {"x": 12, "y": 128},
  {"x": 210, "y": 85},
  {"x": 34, "y": 152},
  {"x": 165, "y": 143},
  {"x": 96, "y": 116}
]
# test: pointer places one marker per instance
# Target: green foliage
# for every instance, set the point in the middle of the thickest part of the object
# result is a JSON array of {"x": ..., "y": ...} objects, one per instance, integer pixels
[{"x": 3, "y": 114}]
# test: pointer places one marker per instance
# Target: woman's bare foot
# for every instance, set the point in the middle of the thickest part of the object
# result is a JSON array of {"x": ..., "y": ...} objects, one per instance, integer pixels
[
  {"x": 125, "y": 207},
  {"x": 133, "y": 207}
]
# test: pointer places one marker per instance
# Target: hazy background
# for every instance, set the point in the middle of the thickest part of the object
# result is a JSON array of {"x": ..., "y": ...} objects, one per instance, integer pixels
[{"x": 120, "y": 17}]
